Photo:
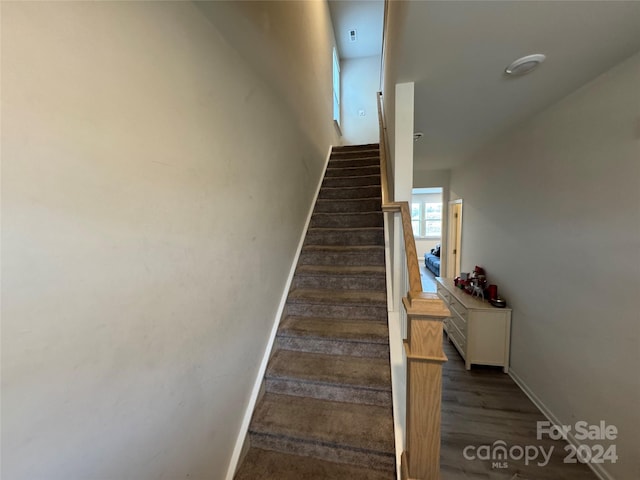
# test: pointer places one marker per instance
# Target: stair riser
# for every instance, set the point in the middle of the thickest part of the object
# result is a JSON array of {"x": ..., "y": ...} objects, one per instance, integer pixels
[
  {"x": 337, "y": 162},
  {"x": 375, "y": 460},
  {"x": 332, "y": 347},
  {"x": 372, "y": 312},
  {"x": 355, "y": 148},
  {"x": 373, "y": 236},
  {"x": 368, "y": 180},
  {"x": 348, "y": 206},
  {"x": 313, "y": 257},
  {"x": 350, "y": 193},
  {"x": 352, "y": 171},
  {"x": 362, "y": 153},
  {"x": 334, "y": 393},
  {"x": 339, "y": 282},
  {"x": 359, "y": 220}
]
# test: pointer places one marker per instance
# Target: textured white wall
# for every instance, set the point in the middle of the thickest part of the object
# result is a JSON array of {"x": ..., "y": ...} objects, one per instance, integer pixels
[
  {"x": 430, "y": 178},
  {"x": 553, "y": 212},
  {"x": 360, "y": 84},
  {"x": 154, "y": 187},
  {"x": 403, "y": 134},
  {"x": 289, "y": 45}
]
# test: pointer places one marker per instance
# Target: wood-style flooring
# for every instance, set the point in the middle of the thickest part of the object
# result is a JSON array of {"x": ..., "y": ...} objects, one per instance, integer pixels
[
  {"x": 483, "y": 406},
  {"x": 428, "y": 278}
]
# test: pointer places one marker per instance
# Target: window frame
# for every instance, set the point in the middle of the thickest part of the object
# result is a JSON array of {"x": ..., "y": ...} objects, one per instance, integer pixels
[
  {"x": 336, "y": 86},
  {"x": 422, "y": 219}
]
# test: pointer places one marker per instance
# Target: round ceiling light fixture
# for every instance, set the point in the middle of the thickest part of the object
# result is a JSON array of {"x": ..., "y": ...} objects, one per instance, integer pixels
[{"x": 524, "y": 65}]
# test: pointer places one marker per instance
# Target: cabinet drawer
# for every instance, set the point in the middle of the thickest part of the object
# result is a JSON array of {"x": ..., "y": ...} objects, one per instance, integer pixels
[
  {"x": 460, "y": 323},
  {"x": 444, "y": 295},
  {"x": 458, "y": 339},
  {"x": 458, "y": 308}
]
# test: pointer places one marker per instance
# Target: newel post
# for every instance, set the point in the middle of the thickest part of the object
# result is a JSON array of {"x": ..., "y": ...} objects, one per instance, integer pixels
[{"x": 423, "y": 346}]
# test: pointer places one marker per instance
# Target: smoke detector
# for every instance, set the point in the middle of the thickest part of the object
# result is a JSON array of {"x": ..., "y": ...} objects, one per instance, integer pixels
[{"x": 524, "y": 65}]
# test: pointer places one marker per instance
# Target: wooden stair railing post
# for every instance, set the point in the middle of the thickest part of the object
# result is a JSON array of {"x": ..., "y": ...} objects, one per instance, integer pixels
[{"x": 423, "y": 346}]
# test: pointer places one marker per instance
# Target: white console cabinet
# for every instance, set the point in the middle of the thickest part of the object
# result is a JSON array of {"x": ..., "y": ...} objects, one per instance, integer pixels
[{"x": 478, "y": 330}]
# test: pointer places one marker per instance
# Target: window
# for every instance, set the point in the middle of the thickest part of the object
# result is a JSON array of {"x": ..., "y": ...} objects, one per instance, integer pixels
[
  {"x": 336, "y": 87},
  {"x": 426, "y": 212},
  {"x": 426, "y": 218}
]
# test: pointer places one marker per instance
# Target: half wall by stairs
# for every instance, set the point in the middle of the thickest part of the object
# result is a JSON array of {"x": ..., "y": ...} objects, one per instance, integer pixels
[{"x": 326, "y": 408}]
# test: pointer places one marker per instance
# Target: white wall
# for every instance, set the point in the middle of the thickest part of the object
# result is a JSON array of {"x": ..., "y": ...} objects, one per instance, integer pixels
[
  {"x": 425, "y": 178},
  {"x": 395, "y": 14},
  {"x": 552, "y": 211},
  {"x": 360, "y": 84},
  {"x": 402, "y": 159},
  {"x": 289, "y": 45},
  {"x": 154, "y": 188}
]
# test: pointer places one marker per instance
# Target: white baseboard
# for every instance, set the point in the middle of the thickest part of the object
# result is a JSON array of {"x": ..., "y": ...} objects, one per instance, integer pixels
[
  {"x": 244, "y": 426},
  {"x": 597, "y": 468}
]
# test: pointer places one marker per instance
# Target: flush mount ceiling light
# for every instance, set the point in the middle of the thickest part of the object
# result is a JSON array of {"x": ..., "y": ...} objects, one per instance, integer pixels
[
  {"x": 524, "y": 65},
  {"x": 417, "y": 136}
]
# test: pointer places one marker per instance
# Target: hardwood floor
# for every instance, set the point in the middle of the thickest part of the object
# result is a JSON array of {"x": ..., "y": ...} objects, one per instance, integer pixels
[
  {"x": 483, "y": 406},
  {"x": 428, "y": 278}
]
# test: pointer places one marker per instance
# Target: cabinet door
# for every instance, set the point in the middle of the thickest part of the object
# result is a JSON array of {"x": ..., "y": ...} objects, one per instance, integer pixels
[{"x": 487, "y": 338}]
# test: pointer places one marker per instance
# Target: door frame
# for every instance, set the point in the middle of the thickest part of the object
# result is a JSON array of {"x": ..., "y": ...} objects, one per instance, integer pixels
[{"x": 454, "y": 240}]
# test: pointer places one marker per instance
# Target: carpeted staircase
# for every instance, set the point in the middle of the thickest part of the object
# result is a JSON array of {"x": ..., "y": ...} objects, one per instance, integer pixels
[{"x": 326, "y": 408}]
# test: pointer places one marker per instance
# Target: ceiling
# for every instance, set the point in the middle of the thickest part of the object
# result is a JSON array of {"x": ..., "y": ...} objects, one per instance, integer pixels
[
  {"x": 456, "y": 53},
  {"x": 366, "y": 17}
]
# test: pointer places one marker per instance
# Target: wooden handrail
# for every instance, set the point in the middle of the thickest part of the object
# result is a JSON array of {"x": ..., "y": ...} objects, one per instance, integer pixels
[{"x": 388, "y": 205}]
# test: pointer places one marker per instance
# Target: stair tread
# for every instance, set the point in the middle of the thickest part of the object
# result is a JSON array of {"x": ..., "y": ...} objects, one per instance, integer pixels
[
  {"x": 271, "y": 465},
  {"x": 354, "y": 187},
  {"x": 345, "y": 214},
  {"x": 363, "y": 151},
  {"x": 343, "y": 425},
  {"x": 355, "y": 176},
  {"x": 347, "y": 219},
  {"x": 355, "y": 161},
  {"x": 346, "y": 200},
  {"x": 351, "y": 148},
  {"x": 342, "y": 370},
  {"x": 376, "y": 197},
  {"x": 353, "y": 330},
  {"x": 338, "y": 297},
  {"x": 350, "y": 167},
  {"x": 359, "y": 192},
  {"x": 347, "y": 270},
  {"x": 344, "y": 248},
  {"x": 345, "y": 229}
]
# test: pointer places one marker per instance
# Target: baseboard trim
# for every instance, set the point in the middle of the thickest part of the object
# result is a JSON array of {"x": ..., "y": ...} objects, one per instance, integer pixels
[
  {"x": 244, "y": 426},
  {"x": 597, "y": 468}
]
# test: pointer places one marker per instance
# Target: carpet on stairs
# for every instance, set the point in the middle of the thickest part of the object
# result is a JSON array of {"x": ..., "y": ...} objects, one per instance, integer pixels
[{"x": 326, "y": 409}]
